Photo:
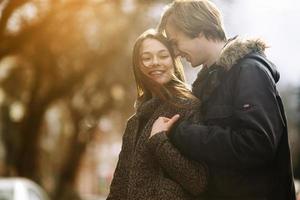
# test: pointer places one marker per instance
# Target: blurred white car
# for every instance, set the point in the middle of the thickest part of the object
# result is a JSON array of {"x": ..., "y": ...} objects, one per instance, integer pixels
[{"x": 21, "y": 189}]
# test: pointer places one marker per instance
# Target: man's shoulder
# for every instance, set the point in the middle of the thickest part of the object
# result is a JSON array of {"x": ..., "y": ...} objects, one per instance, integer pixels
[{"x": 258, "y": 63}]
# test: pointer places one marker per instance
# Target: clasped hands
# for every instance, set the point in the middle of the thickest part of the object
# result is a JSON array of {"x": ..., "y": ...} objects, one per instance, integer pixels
[{"x": 163, "y": 124}]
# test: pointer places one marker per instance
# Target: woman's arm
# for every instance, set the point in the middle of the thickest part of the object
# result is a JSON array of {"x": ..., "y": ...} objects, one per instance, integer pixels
[
  {"x": 191, "y": 175},
  {"x": 119, "y": 185}
]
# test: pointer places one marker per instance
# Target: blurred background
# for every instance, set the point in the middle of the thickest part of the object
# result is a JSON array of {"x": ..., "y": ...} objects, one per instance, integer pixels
[{"x": 67, "y": 88}]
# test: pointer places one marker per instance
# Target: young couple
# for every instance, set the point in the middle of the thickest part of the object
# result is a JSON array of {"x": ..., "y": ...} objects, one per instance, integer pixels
[{"x": 227, "y": 139}]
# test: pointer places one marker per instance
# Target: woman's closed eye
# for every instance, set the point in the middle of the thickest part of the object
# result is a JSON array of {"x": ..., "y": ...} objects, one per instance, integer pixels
[
  {"x": 164, "y": 56},
  {"x": 146, "y": 59}
]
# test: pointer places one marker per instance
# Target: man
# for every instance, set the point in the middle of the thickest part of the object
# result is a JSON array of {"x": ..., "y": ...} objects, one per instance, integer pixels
[{"x": 243, "y": 133}]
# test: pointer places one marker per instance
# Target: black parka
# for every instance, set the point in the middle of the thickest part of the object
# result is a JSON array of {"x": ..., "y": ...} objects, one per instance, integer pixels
[{"x": 243, "y": 134}]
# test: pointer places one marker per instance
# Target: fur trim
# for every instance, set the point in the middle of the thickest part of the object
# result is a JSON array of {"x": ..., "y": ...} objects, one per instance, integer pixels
[{"x": 237, "y": 49}]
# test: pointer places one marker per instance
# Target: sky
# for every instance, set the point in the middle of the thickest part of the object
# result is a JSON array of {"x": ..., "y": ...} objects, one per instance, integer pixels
[{"x": 275, "y": 21}]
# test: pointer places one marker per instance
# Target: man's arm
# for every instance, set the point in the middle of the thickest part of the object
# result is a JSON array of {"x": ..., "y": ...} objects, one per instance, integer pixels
[{"x": 253, "y": 140}]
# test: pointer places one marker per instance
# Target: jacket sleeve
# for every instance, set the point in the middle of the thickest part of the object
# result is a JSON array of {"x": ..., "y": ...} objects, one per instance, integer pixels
[
  {"x": 191, "y": 175},
  {"x": 254, "y": 137},
  {"x": 118, "y": 187}
]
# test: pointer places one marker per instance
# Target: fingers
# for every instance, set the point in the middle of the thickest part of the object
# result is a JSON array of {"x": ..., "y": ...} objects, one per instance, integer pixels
[
  {"x": 164, "y": 119},
  {"x": 169, "y": 120},
  {"x": 163, "y": 124},
  {"x": 173, "y": 120}
]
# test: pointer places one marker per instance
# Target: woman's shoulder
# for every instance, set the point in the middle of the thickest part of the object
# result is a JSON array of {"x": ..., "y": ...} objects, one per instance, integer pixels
[
  {"x": 183, "y": 107},
  {"x": 187, "y": 104},
  {"x": 192, "y": 102},
  {"x": 131, "y": 118}
]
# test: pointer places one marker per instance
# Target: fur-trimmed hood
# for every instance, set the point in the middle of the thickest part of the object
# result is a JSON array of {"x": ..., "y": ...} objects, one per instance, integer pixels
[{"x": 238, "y": 48}]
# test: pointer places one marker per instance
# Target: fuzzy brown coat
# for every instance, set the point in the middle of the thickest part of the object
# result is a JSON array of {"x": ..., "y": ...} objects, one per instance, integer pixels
[{"x": 153, "y": 169}]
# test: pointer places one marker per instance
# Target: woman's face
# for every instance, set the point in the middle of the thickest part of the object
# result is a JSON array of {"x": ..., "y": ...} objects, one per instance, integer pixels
[{"x": 156, "y": 61}]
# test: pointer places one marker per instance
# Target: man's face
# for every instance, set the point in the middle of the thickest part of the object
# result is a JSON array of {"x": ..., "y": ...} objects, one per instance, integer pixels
[{"x": 194, "y": 50}]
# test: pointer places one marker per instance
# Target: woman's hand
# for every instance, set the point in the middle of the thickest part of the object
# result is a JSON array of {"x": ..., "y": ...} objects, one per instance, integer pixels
[{"x": 163, "y": 124}]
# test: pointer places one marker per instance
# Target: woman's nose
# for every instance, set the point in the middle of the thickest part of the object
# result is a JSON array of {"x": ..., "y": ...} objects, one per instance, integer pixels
[{"x": 155, "y": 60}]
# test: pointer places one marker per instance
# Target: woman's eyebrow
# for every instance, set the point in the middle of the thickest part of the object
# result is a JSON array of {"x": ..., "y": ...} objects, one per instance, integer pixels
[
  {"x": 160, "y": 51},
  {"x": 145, "y": 53},
  {"x": 163, "y": 50}
]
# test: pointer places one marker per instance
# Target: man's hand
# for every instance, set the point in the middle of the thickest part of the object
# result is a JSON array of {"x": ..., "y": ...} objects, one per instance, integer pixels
[{"x": 163, "y": 124}]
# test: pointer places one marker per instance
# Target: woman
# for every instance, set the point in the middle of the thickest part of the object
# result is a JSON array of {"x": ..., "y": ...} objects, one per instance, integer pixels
[{"x": 149, "y": 167}]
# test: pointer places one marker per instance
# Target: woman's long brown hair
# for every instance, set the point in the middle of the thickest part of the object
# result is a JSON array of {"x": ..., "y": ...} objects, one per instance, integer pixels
[{"x": 174, "y": 91}]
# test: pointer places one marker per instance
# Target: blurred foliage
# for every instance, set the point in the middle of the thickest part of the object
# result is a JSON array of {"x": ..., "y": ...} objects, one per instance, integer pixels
[
  {"x": 297, "y": 120},
  {"x": 290, "y": 99},
  {"x": 64, "y": 64}
]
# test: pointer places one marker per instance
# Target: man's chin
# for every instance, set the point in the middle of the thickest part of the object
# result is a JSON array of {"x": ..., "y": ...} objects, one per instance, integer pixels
[
  {"x": 195, "y": 65},
  {"x": 191, "y": 64}
]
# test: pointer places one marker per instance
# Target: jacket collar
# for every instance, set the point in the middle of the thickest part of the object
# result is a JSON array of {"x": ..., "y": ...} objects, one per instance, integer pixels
[
  {"x": 237, "y": 48},
  {"x": 210, "y": 78}
]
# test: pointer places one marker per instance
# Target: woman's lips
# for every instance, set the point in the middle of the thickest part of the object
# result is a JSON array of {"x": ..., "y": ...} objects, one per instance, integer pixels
[{"x": 156, "y": 72}]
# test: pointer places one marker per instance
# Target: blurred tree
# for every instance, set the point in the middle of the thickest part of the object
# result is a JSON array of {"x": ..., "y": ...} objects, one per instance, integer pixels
[
  {"x": 67, "y": 60},
  {"x": 290, "y": 97},
  {"x": 297, "y": 156}
]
